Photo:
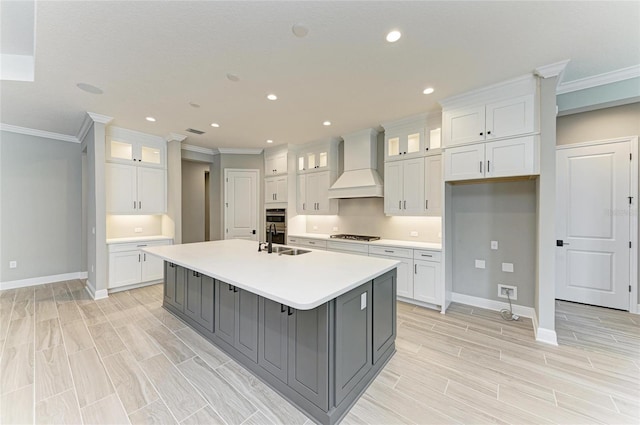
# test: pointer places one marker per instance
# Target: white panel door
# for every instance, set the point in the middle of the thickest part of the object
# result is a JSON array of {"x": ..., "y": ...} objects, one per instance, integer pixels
[
  {"x": 426, "y": 282},
  {"x": 512, "y": 157},
  {"x": 151, "y": 191},
  {"x": 241, "y": 204},
  {"x": 510, "y": 117},
  {"x": 124, "y": 268},
  {"x": 120, "y": 183},
  {"x": 464, "y": 126},
  {"x": 433, "y": 185},
  {"x": 593, "y": 223},
  {"x": 464, "y": 163},
  {"x": 413, "y": 186},
  {"x": 393, "y": 187}
]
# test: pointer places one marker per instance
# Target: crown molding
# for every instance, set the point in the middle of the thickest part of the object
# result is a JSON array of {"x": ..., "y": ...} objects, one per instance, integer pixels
[
  {"x": 240, "y": 151},
  {"x": 199, "y": 149},
  {"x": 175, "y": 137},
  {"x": 552, "y": 70},
  {"x": 39, "y": 133},
  {"x": 518, "y": 86},
  {"x": 102, "y": 119},
  {"x": 600, "y": 80}
]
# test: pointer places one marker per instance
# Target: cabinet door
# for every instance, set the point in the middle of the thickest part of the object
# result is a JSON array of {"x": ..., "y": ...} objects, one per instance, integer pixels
[
  {"x": 152, "y": 267},
  {"x": 464, "y": 163},
  {"x": 151, "y": 191},
  {"x": 270, "y": 190},
  {"x": 511, "y": 117},
  {"x": 280, "y": 163},
  {"x": 169, "y": 282},
  {"x": 426, "y": 282},
  {"x": 323, "y": 182},
  {"x": 270, "y": 165},
  {"x": 414, "y": 142},
  {"x": 273, "y": 338},
  {"x": 124, "y": 268},
  {"x": 384, "y": 313},
  {"x": 225, "y": 312},
  {"x": 308, "y": 357},
  {"x": 119, "y": 150},
  {"x": 282, "y": 189},
  {"x": 464, "y": 125},
  {"x": 404, "y": 275},
  {"x": 512, "y": 157},
  {"x": 354, "y": 349},
  {"x": 392, "y": 147},
  {"x": 120, "y": 182},
  {"x": 301, "y": 191},
  {"x": 312, "y": 192},
  {"x": 199, "y": 299},
  {"x": 433, "y": 185},
  {"x": 149, "y": 154},
  {"x": 175, "y": 285},
  {"x": 246, "y": 340},
  {"x": 393, "y": 188},
  {"x": 413, "y": 186}
]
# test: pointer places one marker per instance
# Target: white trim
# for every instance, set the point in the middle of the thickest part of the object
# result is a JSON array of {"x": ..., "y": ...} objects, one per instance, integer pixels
[
  {"x": 39, "y": 133},
  {"x": 96, "y": 295},
  {"x": 138, "y": 136},
  {"x": 599, "y": 80},
  {"x": 633, "y": 227},
  {"x": 596, "y": 106},
  {"x": 102, "y": 119},
  {"x": 552, "y": 70},
  {"x": 241, "y": 151},
  {"x": 520, "y": 310},
  {"x": 175, "y": 137},
  {"x": 520, "y": 86},
  {"x": 84, "y": 128},
  {"x": 32, "y": 281},
  {"x": 546, "y": 336},
  {"x": 598, "y": 142},
  {"x": 637, "y": 309},
  {"x": 198, "y": 149}
]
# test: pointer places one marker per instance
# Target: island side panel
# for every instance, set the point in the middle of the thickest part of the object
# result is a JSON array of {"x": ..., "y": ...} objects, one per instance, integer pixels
[{"x": 384, "y": 313}]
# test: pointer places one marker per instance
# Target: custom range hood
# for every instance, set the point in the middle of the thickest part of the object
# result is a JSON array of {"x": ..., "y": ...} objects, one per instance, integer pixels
[{"x": 360, "y": 178}]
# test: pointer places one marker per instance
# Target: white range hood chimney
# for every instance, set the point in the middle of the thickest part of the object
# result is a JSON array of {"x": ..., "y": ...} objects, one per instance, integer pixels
[{"x": 360, "y": 178}]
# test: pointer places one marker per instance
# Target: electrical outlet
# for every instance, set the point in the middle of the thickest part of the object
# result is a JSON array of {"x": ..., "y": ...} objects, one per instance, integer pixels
[
  {"x": 507, "y": 267},
  {"x": 137, "y": 230},
  {"x": 335, "y": 228},
  {"x": 480, "y": 264},
  {"x": 512, "y": 290},
  {"x": 92, "y": 269},
  {"x": 414, "y": 234},
  {"x": 315, "y": 227},
  {"x": 13, "y": 264},
  {"x": 494, "y": 245}
]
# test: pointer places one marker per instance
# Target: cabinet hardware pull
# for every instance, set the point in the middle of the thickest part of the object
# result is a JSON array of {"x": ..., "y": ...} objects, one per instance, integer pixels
[
  {"x": 427, "y": 255},
  {"x": 230, "y": 287},
  {"x": 389, "y": 251},
  {"x": 480, "y": 166},
  {"x": 139, "y": 205},
  {"x": 139, "y": 258},
  {"x": 235, "y": 289},
  {"x": 144, "y": 256},
  {"x": 303, "y": 206},
  {"x": 426, "y": 204},
  {"x": 289, "y": 311},
  {"x": 399, "y": 205},
  {"x": 488, "y": 166},
  {"x": 405, "y": 205},
  {"x": 282, "y": 308},
  {"x": 134, "y": 205},
  {"x": 415, "y": 269}
]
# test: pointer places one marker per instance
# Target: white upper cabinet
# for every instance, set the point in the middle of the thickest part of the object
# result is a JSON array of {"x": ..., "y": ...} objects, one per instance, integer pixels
[
  {"x": 135, "y": 190},
  {"x": 276, "y": 189},
  {"x": 502, "y": 158},
  {"x": 132, "y": 147},
  {"x": 502, "y": 111},
  {"x": 433, "y": 185},
  {"x": 313, "y": 159},
  {"x": 313, "y": 194},
  {"x": 275, "y": 162},
  {"x": 412, "y": 137},
  {"x": 404, "y": 187}
]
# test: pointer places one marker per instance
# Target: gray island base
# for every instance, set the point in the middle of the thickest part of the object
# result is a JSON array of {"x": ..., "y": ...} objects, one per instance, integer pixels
[{"x": 321, "y": 359}]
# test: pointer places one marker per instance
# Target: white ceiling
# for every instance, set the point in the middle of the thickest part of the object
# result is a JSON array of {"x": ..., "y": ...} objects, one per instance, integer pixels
[{"x": 153, "y": 58}]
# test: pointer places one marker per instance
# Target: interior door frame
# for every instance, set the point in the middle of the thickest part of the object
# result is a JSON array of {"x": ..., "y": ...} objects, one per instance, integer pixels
[
  {"x": 634, "y": 305},
  {"x": 259, "y": 230}
]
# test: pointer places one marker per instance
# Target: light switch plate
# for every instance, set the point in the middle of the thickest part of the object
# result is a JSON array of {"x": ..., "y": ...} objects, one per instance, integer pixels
[
  {"x": 13, "y": 264},
  {"x": 494, "y": 244},
  {"x": 363, "y": 301},
  {"x": 507, "y": 267},
  {"x": 480, "y": 264}
]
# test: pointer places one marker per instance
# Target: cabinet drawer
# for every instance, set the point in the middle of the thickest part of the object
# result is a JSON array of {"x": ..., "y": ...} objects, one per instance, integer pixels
[
  {"x": 419, "y": 254},
  {"x": 313, "y": 243},
  {"x": 390, "y": 251},
  {"x": 132, "y": 246},
  {"x": 355, "y": 248}
]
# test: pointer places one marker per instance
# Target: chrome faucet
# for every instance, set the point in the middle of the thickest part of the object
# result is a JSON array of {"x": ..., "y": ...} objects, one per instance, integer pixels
[{"x": 270, "y": 233}]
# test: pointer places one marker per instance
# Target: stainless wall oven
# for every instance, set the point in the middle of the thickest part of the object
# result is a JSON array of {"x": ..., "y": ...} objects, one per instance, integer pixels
[{"x": 277, "y": 217}]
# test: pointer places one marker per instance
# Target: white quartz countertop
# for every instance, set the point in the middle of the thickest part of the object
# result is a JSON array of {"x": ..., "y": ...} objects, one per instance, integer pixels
[
  {"x": 138, "y": 239},
  {"x": 303, "y": 282},
  {"x": 383, "y": 242}
]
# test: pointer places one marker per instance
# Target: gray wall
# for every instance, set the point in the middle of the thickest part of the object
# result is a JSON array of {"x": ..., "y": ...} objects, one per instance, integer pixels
[
  {"x": 609, "y": 123},
  {"x": 41, "y": 206},
  {"x": 501, "y": 211},
  {"x": 193, "y": 201}
]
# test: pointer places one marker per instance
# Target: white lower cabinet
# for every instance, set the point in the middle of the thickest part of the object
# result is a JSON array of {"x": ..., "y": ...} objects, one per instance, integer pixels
[
  {"x": 404, "y": 282},
  {"x": 426, "y": 281},
  {"x": 307, "y": 243},
  {"x": 129, "y": 265}
]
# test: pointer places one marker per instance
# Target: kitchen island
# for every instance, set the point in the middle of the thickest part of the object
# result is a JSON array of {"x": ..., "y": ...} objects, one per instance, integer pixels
[{"x": 317, "y": 327}]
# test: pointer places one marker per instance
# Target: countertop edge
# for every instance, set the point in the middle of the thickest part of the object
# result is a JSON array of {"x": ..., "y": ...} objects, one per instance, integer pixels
[{"x": 433, "y": 246}]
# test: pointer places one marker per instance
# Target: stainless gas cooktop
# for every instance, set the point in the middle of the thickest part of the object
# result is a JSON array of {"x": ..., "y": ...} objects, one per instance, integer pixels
[{"x": 356, "y": 237}]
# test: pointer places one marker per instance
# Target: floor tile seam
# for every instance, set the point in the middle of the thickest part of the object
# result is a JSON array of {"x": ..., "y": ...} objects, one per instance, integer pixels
[
  {"x": 74, "y": 388},
  {"x": 387, "y": 407},
  {"x": 487, "y": 346},
  {"x": 614, "y": 410}
]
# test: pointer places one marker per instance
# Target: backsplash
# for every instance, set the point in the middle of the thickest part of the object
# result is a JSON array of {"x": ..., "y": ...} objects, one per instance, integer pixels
[
  {"x": 365, "y": 216},
  {"x": 124, "y": 226}
]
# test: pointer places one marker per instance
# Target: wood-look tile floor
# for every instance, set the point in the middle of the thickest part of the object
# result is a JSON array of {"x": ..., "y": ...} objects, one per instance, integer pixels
[{"x": 68, "y": 359}]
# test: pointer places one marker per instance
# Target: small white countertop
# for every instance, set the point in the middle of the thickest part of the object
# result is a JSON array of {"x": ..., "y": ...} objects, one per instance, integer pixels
[
  {"x": 303, "y": 282},
  {"x": 138, "y": 239},
  {"x": 384, "y": 242}
]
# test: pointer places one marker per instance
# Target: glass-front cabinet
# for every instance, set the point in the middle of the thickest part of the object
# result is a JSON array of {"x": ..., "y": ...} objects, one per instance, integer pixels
[
  {"x": 313, "y": 159},
  {"x": 412, "y": 137},
  {"x": 127, "y": 146}
]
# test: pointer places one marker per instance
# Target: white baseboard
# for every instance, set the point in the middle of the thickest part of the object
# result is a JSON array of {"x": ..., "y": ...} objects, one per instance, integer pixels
[
  {"x": 96, "y": 295},
  {"x": 22, "y": 283},
  {"x": 520, "y": 310},
  {"x": 548, "y": 336}
]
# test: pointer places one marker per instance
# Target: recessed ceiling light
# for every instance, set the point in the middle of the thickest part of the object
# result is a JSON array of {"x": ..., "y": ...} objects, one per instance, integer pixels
[
  {"x": 428, "y": 90},
  {"x": 215, "y": 124},
  {"x": 194, "y": 105},
  {"x": 272, "y": 97},
  {"x": 89, "y": 88},
  {"x": 233, "y": 77},
  {"x": 269, "y": 141},
  {"x": 393, "y": 36},
  {"x": 151, "y": 119},
  {"x": 327, "y": 123},
  {"x": 299, "y": 30}
]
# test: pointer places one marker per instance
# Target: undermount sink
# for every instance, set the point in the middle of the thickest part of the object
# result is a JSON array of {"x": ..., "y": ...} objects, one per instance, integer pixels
[
  {"x": 293, "y": 251},
  {"x": 280, "y": 248}
]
